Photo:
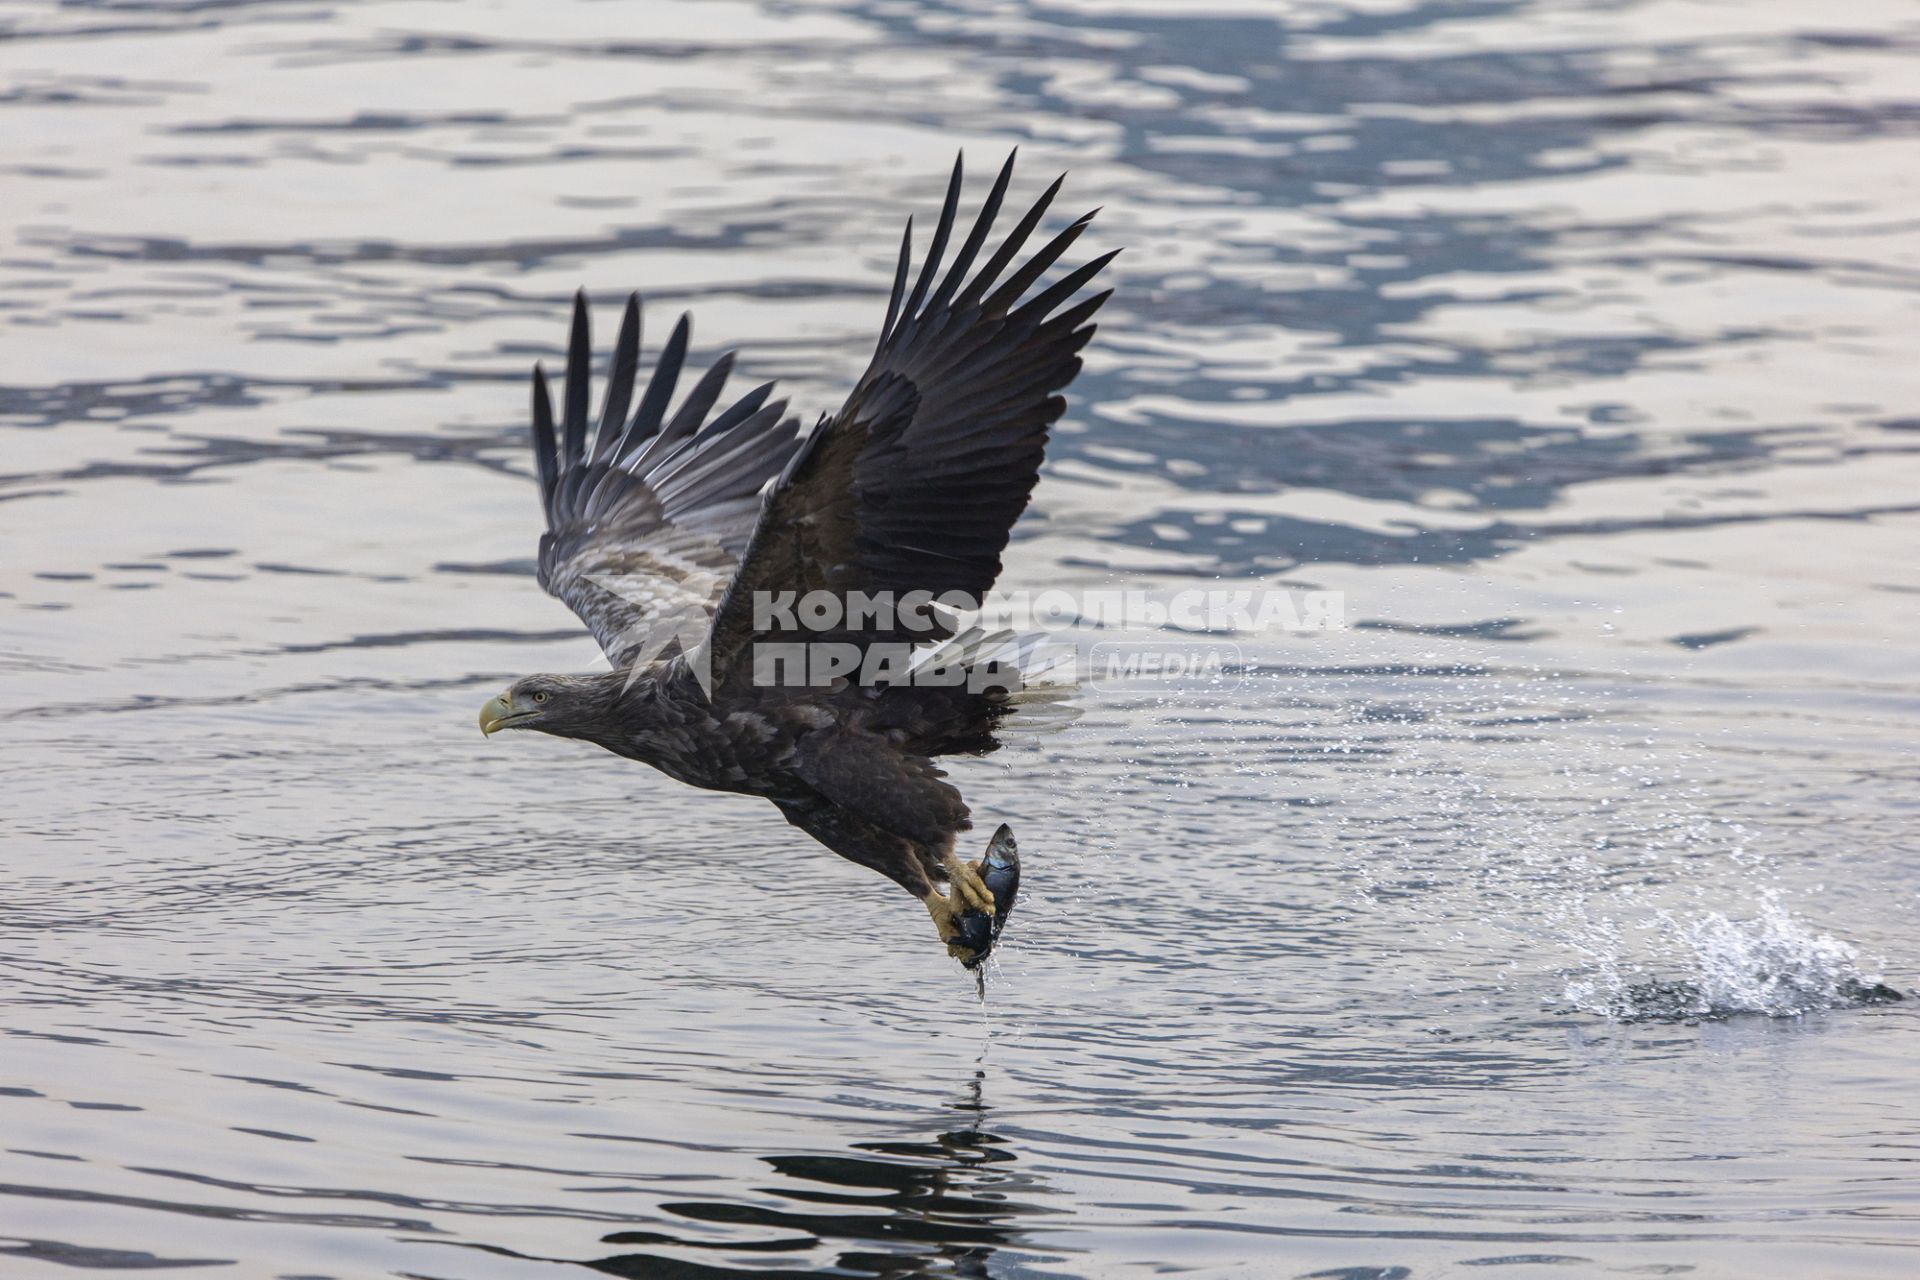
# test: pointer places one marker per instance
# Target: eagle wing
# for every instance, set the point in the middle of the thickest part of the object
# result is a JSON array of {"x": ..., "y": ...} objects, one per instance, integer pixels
[
  {"x": 916, "y": 483},
  {"x": 647, "y": 517}
]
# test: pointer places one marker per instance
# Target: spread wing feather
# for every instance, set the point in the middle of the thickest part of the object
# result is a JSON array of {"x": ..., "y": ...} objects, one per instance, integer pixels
[
  {"x": 916, "y": 483},
  {"x": 647, "y": 517}
]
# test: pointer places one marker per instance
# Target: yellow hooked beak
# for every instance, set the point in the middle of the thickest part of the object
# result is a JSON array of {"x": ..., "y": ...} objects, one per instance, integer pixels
[{"x": 496, "y": 713}]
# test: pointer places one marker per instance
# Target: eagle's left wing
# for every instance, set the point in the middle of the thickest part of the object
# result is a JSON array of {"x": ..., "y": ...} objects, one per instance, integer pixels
[{"x": 647, "y": 517}]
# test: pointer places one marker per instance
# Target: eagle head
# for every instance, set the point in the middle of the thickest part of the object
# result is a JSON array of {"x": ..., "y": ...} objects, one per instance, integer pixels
[{"x": 563, "y": 705}]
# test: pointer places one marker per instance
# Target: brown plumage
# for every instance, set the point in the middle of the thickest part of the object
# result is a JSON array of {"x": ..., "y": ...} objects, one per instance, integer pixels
[{"x": 662, "y": 529}]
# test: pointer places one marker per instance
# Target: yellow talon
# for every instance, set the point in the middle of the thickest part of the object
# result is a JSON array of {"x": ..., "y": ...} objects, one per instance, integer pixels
[
  {"x": 965, "y": 887},
  {"x": 941, "y": 907}
]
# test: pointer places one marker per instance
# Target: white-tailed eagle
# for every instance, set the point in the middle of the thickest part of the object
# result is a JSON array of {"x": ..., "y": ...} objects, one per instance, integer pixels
[{"x": 681, "y": 539}]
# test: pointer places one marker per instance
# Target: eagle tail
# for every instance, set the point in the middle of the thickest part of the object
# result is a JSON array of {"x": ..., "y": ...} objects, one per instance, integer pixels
[{"x": 1027, "y": 678}]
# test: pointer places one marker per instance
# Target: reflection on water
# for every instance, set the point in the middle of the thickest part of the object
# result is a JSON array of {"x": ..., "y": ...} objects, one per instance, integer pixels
[
  {"x": 1534, "y": 924},
  {"x": 942, "y": 1206}
]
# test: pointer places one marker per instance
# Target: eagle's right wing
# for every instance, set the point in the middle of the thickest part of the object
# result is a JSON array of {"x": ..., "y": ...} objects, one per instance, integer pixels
[
  {"x": 647, "y": 518},
  {"x": 916, "y": 483}
]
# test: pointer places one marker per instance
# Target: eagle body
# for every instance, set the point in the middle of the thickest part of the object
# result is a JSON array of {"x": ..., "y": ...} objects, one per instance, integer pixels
[{"x": 667, "y": 531}]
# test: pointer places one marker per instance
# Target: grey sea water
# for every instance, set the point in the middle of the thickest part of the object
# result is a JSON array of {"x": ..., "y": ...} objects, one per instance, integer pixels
[{"x": 1520, "y": 929}]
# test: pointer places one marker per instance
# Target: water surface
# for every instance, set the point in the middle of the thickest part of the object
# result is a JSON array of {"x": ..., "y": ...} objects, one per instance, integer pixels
[{"x": 1494, "y": 935}]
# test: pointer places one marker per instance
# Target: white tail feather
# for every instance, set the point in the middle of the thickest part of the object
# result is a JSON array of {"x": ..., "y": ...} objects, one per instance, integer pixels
[{"x": 1041, "y": 703}]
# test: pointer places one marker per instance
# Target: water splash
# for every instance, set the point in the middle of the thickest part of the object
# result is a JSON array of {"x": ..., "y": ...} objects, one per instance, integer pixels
[
  {"x": 1774, "y": 964},
  {"x": 1589, "y": 858}
]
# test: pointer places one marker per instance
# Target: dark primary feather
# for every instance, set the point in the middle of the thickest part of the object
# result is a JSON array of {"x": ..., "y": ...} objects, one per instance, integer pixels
[
  {"x": 666, "y": 507},
  {"x": 915, "y": 485},
  {"x": 626, "y": 363}
]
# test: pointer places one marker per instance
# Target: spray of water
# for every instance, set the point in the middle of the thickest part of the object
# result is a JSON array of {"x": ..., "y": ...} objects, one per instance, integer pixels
[
  {"x": 1521, "y": 818},
  {"x": 1710, "y": 965}
]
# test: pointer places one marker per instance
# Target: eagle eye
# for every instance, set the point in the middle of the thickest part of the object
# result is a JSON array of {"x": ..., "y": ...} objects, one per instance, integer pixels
[{"x": 540, "y": 697}]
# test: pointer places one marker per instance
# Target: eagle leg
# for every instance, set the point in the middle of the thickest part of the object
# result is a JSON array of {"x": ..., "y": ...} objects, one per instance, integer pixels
[
  {"x": 966, "y": 896},
  {"x": 968, "y": 914},
  {"x": 941, "y": 909}
]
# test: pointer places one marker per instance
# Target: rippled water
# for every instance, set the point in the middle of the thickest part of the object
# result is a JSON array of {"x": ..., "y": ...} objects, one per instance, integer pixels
[{"x": 1571, "y": 341}]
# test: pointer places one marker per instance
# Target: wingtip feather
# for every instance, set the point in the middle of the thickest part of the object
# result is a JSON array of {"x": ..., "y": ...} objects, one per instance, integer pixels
[
  {"x": 620, "y": 378},
  {"x": 574, "y": 393},
  {"x": 546, "y": 464},
  {"x": 899, "y": 284},
  {"x": 666, "y": 375}
]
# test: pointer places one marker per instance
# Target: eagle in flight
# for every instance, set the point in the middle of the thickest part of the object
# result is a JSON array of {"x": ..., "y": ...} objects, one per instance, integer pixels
[{"x": 682, "y": 538}]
